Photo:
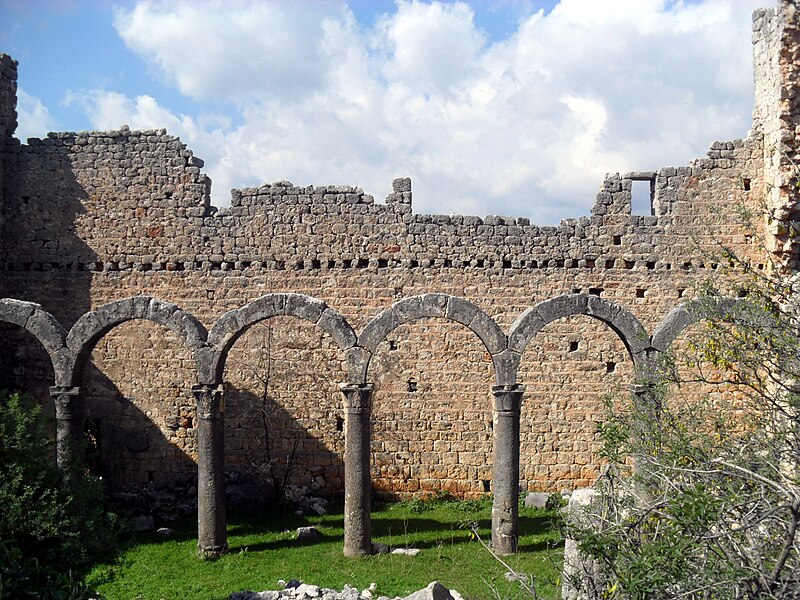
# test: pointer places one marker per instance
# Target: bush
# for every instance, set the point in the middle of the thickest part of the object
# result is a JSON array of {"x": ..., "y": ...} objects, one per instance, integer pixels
[
  {"x": 713, "y": 510},
  {"x": 49, "y": 527}
]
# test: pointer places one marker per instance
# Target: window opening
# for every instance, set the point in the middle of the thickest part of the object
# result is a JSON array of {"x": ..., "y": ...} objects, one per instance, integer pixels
[{"x": 643, "y": 192}]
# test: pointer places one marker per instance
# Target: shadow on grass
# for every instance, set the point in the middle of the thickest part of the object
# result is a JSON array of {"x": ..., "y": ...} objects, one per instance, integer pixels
[{"x": 398, "y": 531}]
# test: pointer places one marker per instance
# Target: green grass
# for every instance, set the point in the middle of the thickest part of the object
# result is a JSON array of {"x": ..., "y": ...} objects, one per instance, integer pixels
[{"x": 263, "y": 550}]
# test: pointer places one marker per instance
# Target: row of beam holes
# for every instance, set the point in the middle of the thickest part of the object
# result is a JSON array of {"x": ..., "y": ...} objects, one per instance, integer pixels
[{"x": 361, "y": 263}]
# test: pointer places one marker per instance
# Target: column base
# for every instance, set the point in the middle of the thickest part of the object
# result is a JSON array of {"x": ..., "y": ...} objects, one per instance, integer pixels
[{"x": 212, "y": 553}]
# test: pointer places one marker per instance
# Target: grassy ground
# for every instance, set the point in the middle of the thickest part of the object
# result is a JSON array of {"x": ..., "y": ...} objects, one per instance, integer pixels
[{"x": 263, "y": 550}]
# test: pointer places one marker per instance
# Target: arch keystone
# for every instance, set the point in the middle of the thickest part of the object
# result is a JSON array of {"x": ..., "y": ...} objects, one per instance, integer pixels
[
  {"x": 434, "y": 305},
  {"x": 408, "y": 309},
  {"x": 265, "y": 307},
  {"x": 117, "y": 312},
  {"x": 304, "y": 307}
]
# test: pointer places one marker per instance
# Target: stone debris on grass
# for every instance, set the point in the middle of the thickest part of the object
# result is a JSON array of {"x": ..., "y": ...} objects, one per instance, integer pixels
[
  {"x": 302, "y": 591},
  {"x": 537, "y": 500},
  {"x": 406, "y": 551},
  {"x": 308, "y": 533}
]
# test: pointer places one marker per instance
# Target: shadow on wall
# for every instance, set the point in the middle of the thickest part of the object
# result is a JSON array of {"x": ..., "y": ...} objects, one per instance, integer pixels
[
  {"x": 268, "y": 448},
  {"x": 41, "y": 196}
]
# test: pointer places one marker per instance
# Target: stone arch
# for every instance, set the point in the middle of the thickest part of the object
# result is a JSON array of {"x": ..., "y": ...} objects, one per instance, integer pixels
[
  {"x": 45, "y": 328},
  {"x": 444, "y": 306},
  {"x": 93, "y": 325},
  {"x": 620, "y": 320},
  {"x": 688, "y": 313},
  {"x": 234, "y": 323}
]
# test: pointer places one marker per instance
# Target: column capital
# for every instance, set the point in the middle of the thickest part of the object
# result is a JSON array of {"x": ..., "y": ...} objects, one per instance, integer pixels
[
  {"x": 210, "y": 400},
  {"x": 65, "y": 399},
  {"x": 357, "y": 397},
  {"x": 507, "y": 398}
]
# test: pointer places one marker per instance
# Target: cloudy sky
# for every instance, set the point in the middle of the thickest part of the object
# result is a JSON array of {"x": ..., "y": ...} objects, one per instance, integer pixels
[{"x": 511, "y": 107}]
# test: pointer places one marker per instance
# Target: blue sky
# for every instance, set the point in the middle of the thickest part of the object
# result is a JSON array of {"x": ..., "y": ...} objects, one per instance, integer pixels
[{"x": 512, "y": 107}]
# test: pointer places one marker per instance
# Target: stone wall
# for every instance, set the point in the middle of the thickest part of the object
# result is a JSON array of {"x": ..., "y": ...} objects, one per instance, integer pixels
[
  {"x": 8, "y": 120},
  {"x": 92, "y": 217}
]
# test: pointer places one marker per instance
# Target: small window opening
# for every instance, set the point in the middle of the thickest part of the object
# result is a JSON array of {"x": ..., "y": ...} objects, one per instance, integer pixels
[
  {"x": 611, "y": 367},
  {"x": 480, "y": 262},
  {"x": 746, "y": 184},
  {"x": 629, "y": 264},
  {"x": 506, "y": 264},
  {"x": 339, "y": 423},
  {"x": 681, "y": 292},
  {"x": 576, "y": 290},
  {"x": 651, "y": 265},
  {"x": 486, "y": 485},
  {"x": 392, "y": 345},
  {"x": 315, "y": 264},
  {"x": 595, "y": 291},
  {"x": 573, "y": 346},
  {"x": 617, "y": 240},
  {"x": 642, "y": 194},
  {"x": 610, "y": 263},
  {"x": 590, "y": 263},
  {"x": 412, "y": 385},
  {"x": 362, "y": 263},
  {"x": 639, "y": 293}
]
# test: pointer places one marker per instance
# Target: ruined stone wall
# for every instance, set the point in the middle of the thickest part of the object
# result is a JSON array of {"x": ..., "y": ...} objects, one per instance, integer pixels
[
  {"x": 97, "y": 216},
  {"x": 776, "y": 37},
  {"x": 8, "y": 121}
]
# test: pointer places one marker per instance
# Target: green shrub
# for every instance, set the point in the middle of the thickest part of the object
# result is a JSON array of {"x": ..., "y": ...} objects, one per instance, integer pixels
[{"x": 57, "y": 526}]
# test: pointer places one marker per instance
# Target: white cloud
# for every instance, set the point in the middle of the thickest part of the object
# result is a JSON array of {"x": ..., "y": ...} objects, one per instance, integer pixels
[
  {"x": 237, "y": 50},
  {"x": 527, "y": 125},
  {"x": 33, "y": 117}
]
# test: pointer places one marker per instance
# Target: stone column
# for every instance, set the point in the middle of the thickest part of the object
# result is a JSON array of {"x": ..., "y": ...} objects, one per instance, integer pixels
[
  {"x": 212, "y": 538},
  {"x": 647, "y": 405},
  {"x": 69, "y": 426},
  {"x": 505, "y": 468},
  {"x": 357, "y": 481}
]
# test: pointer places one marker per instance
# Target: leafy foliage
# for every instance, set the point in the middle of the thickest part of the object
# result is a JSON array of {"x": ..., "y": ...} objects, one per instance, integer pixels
[
  {"x": 712, "y": 509},
  {"x": 52, "y": 530}
]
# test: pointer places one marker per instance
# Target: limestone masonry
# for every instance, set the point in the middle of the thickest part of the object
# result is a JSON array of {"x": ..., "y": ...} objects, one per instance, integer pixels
[{"x": 296, "y": 290}]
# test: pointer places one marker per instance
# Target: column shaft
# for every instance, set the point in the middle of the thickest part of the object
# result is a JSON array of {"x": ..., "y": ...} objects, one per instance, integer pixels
[
  {"x": 505, "y": 468},
  {"x": 212, "y": 537},
  {"x": 69, "y": 426},
  {"x": 357, "y": 480}
]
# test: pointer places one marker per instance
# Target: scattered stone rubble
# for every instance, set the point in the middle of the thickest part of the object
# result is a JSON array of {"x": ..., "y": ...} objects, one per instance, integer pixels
[{"x": 295, "y": 590}]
